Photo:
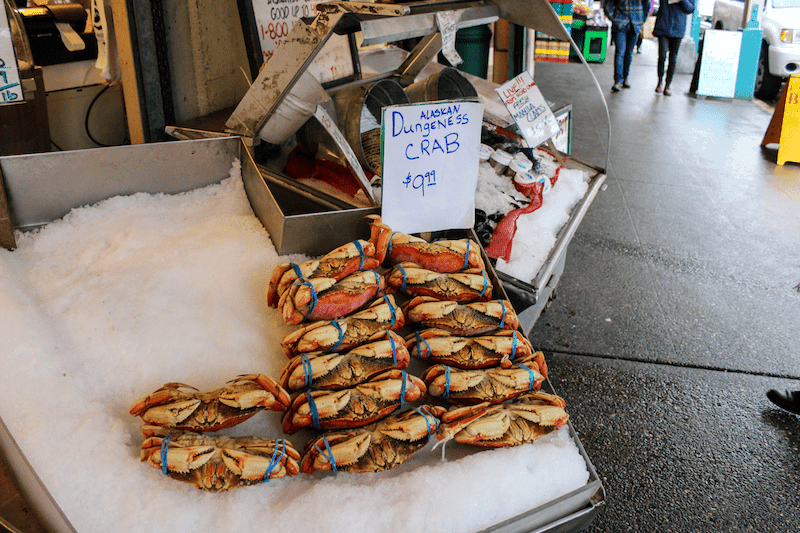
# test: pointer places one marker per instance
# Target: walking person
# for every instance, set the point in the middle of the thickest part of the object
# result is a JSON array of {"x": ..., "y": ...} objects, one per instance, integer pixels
[
  {"x": 670, "y": 28},
  {"x": 627, "y": 18}
]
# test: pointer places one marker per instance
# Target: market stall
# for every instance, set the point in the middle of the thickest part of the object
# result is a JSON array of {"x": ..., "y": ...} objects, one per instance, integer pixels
[{"x": 172, "y": 289}]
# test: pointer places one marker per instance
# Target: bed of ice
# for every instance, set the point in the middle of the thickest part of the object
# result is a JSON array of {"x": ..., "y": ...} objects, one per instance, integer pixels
[{"x": 116, "y": 299}]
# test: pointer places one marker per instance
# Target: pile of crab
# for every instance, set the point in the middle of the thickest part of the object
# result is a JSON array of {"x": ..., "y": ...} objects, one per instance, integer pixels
[{"x": 348, "y": 374}]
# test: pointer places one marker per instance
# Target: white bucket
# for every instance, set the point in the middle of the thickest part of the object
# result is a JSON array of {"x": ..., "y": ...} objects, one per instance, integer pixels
[{"x": 295, "y": 109}]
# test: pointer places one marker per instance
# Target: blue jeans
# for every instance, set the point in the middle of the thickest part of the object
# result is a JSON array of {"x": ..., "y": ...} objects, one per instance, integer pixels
[{"x": 625, "y": 42}]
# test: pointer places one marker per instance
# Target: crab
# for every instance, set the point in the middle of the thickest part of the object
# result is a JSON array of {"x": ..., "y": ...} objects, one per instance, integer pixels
[
  {"x": 528, "y": 417},
  {"x": 337, "y": 264},
  {"x": 465, "y": 286},
  {"x": 474, "y": 318},
  {"x": 493, "y": 385},
  {"x": 373, "y": 448},
  {"x": 333, "y": 371},
  {"x": 440, "y": 256},
  {"x": 328, "y": 299},
  {"x": 354, "y": 407},
  {"x": 346, "y": 333},
  {"x": 216, "y": 463},
  {"x": 243, "y": 397},
  {"x": 469, "y": 353}
]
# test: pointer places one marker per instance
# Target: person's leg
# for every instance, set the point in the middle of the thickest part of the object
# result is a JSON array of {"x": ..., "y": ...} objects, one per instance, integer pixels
[
  {"x": 662, "y": 57},
  {"x": 639, "y": 41},
  {"x": 630, "y": 44},
  {"x": 619, "y": 55},
  {"x": 674, "y": 47}
]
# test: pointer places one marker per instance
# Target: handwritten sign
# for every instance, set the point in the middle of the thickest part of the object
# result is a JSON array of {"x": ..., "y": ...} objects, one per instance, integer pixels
[
  {"x": 430, "y": 165},
  {"x": 327, "y": 122},
  {"x": 447, "y": 27},
  {"x": 10, "y": 88},
  {"x": 275, "y": 18},
  {"x": 530, "y": 111}
]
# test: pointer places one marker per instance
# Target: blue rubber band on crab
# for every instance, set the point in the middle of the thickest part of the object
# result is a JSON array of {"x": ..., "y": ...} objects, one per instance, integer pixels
[
  {"x": 422, "y": 340},
  {"x": 530, "y": 373},
  {"x": 403, "y": 390},
  {"x": 329, "y": 455},
  {"x": 405, "y": 277},
  {"x": 274, "y": 461},
  {"x": 313, "y": 408},
  {"x": 466, "y": 257},
  {"x": 313, "y": 303},
  {"x": 297, "y": 270},
  {"x": 389, "y": 248},
  {"x": 503, "y": 319},
  {"x": 425, "y": 414},
  {"x": 306, "y": 369},
  {"x": 485, "y": 286},
  {"x": 394, "y": 349},
  {"x": 361, "y": 252},
  {"x": 341, "y": 336},
  {"x": 392, "y": 309},
  {"x": 164, "y": 447},
  {"x": 446, "y": 382},
  {"x": 513, "y": 344}
]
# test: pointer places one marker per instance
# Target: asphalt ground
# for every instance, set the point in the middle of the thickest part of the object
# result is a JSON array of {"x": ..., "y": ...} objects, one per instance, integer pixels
[{"x": 679, "y": 306}]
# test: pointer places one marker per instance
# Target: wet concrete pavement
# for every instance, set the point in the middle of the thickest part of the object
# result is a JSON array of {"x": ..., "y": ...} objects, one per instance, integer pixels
[{"x": 679, "y": 308}]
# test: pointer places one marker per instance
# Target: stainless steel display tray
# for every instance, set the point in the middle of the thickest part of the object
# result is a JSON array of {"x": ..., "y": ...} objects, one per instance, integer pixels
[{"x": 44, "y": 187}]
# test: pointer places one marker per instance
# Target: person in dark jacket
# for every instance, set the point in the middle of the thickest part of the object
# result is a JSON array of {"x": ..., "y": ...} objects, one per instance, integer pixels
[{"x": 669, "y": 28}]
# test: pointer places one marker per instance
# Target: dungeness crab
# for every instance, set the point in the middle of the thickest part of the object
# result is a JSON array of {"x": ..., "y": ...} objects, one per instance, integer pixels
[
  {"x": 373, "y": 448},
  {"x": 353, "y": 407},
  {"x": 528, "y": 417},
  {"x": 217, "y": 463},
  {"x": 243, "y": 397}
]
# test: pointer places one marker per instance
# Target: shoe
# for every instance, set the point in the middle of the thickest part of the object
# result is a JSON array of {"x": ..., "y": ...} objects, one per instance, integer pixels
[
  {"x": 660, "y": 88},
  {"x": 638, "y": 50},
  {"x": 667, "y": 92},
  {"x": 789, "y": 400},
  {"x": 626, "y": 85},
  {"x": 616, "y": 88}
]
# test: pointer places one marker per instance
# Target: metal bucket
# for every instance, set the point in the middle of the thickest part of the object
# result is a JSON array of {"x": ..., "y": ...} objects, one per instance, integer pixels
[
  {"x": 448, "y": 84},
  {"x": 353, "y": 105}
]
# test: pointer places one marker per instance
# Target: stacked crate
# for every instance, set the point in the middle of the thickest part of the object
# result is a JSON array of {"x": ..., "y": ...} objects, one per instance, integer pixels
[{"x": 553, "y": 50}]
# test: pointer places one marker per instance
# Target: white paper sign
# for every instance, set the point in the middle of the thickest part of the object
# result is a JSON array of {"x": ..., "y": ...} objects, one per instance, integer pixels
[
  {"x": 10, "y": 88},
  {"x": 276, "y": 17},
  {"x": 447, "y": 27},
  {"x": 430, "y": 165},
  {"x": 528, "y": 108},
  {"x": 719, "y": 63}
]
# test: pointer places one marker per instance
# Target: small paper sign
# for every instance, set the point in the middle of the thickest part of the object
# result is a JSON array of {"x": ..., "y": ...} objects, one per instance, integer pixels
[
  {"x": 530, "y": 111},
  {"x": 447, "y": 27},
  {"x": 430, "y": 165},
  {"x": 10, "y": 88},
  {"x": 327, "y": 122}
]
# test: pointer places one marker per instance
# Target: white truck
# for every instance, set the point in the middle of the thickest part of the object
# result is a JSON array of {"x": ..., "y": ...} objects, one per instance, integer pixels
[{"x": 779, "y": 21}]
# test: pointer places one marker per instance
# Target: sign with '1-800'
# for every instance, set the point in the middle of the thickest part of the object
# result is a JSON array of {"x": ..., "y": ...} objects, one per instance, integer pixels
[{"x": 430, "y": 165}]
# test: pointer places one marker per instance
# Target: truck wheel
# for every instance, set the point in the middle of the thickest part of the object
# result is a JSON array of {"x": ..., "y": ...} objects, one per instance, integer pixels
[{"x": 767, "y": 85}]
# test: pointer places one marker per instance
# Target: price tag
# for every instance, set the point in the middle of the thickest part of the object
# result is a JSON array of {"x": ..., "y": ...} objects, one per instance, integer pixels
[
  {"x": 430, "y": 165},
  {"x": 530, "y": 111},
  {"x": 327, "y": 122},
  {"x": 447, "y": 27},
  {"x": 10, "y": 88},
  {"x": 275, "y": 18}
]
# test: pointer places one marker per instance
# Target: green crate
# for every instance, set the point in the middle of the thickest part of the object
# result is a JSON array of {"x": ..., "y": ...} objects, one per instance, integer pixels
[{"x": 595, "y": 43}]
